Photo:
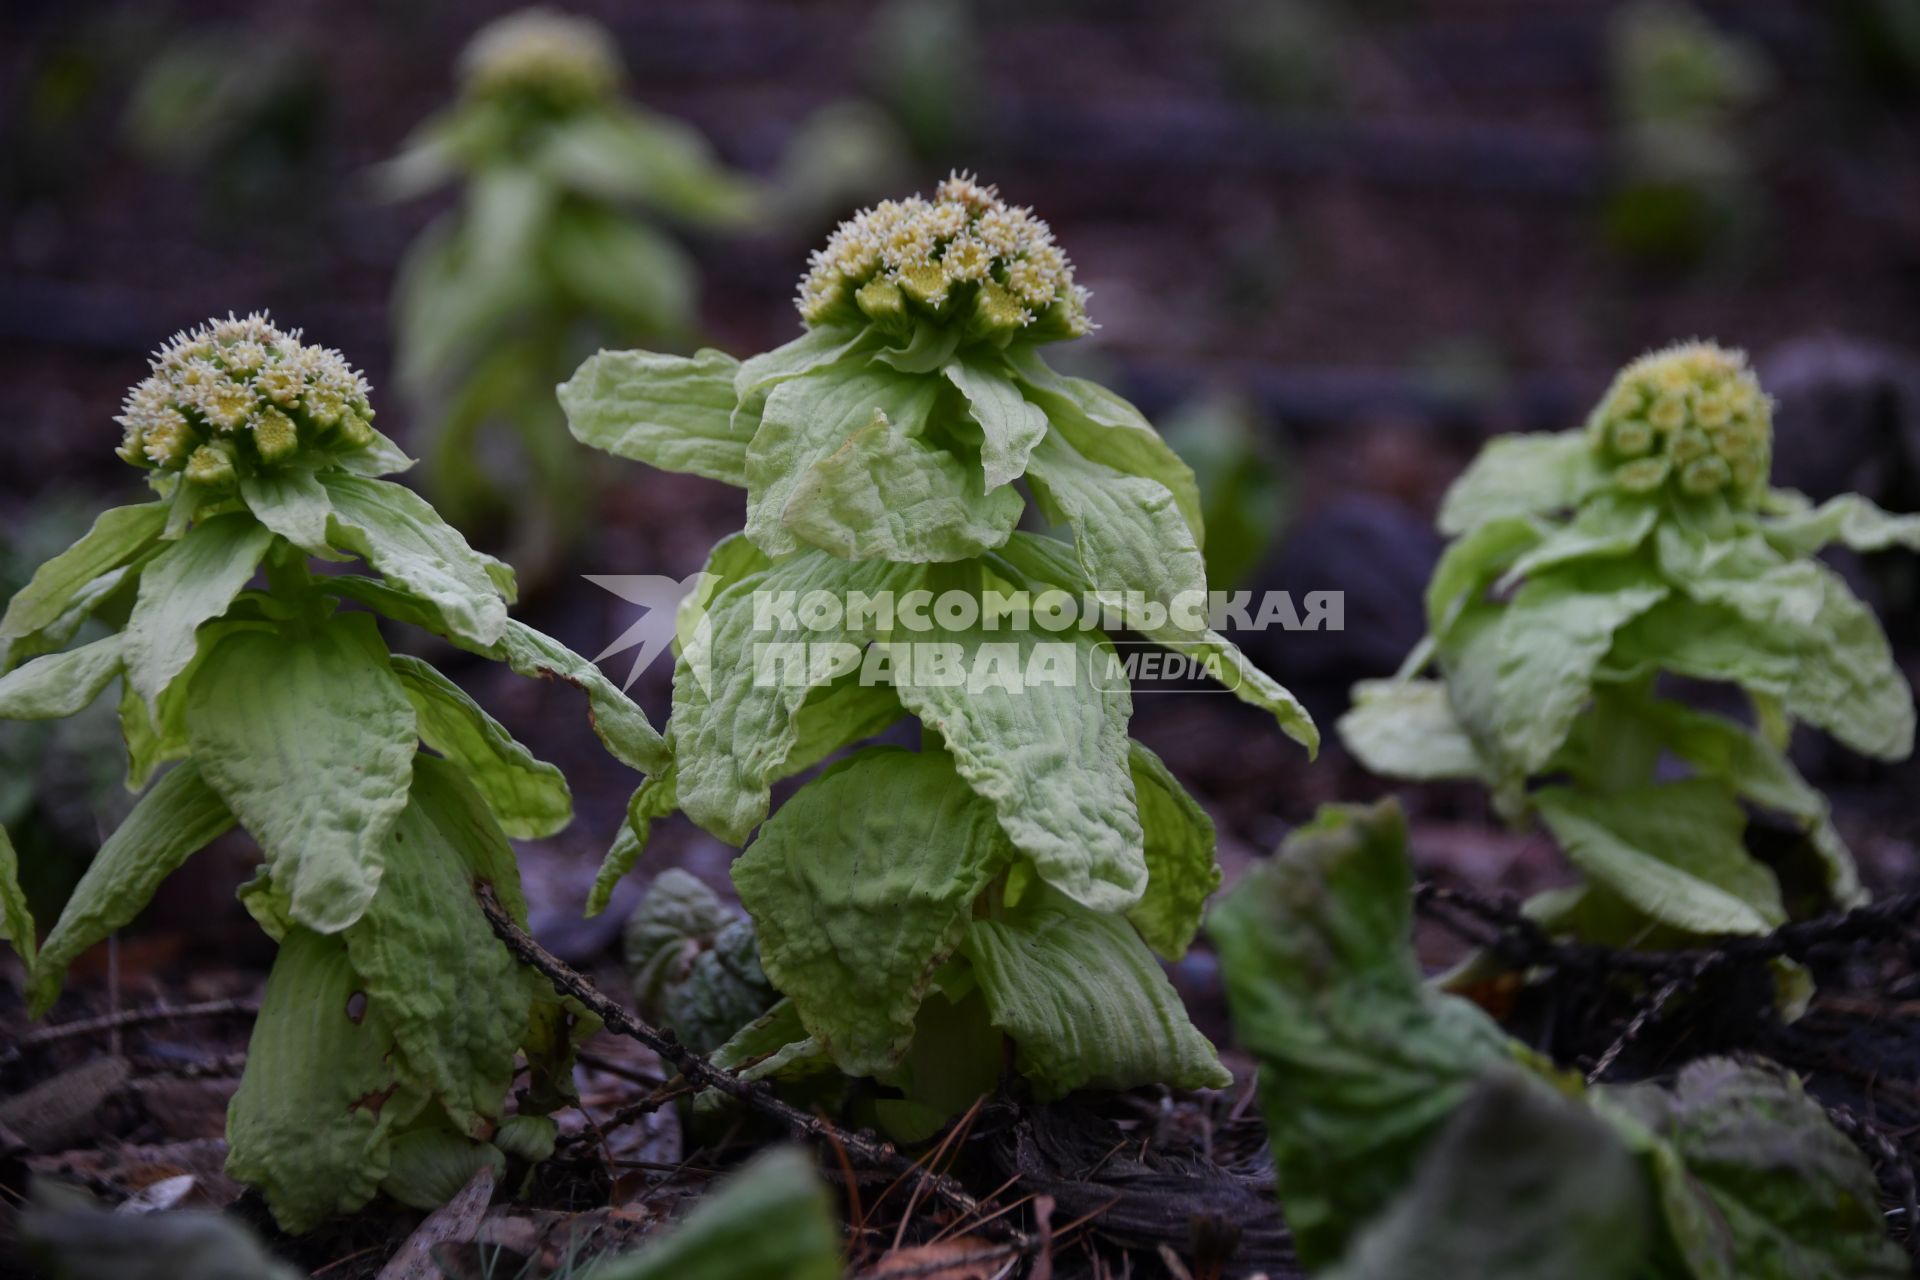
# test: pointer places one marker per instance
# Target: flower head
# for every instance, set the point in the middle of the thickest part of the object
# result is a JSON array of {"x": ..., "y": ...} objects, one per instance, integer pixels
[
  {"x": 238, "y": 395},
  {"x": 543, "y": 55},
  {"x": 1691, "y": 414},
  {"x": 965, "y": 254}
]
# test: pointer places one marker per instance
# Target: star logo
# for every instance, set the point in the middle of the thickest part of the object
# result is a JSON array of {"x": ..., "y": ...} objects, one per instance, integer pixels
[{"x": 672, "y": 607}]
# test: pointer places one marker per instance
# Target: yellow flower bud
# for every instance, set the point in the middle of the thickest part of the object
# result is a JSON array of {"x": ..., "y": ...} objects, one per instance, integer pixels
[
  {"x": 543, "y": 56},
  {"x": 1708, "y": 425}
]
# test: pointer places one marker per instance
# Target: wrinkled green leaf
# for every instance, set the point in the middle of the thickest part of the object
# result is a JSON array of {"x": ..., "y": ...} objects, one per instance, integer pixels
[
  {"x": 1011, "y": 427},
  {"x": 620, "y": 725},
  {"x": 1672, "y": 849},
  {"x": 671, "y": 412},
  {"x": 1851, "y": 520},
  {"x": 1755, "y": 1183},
  {"x": 1408, "y": 729},
  {"x": 1521, "y": 1184},
  {"x": 117, "y": 537},
  {"x": 190, "y": 583},
  {"x": 1521, "y": 475},
  {"x": 292, "y": 503},
  {"x": 693, "y": 963},
  {"x": 313, "y": 1120},
  {"x": 815, "y": 348},
  {"x": 1605, "y": 526},
  {"x": 400, "y": 535},
  {"x": 57, "y": 685},
  {"x": 859, "y": 889},
  {"x": 771, "y": 1221},
  {"x": 735, "y": 712},
  {"x": 178, "y": 817},
  {"x": 1361, "y": 1064},
  {"x": 883, "y": 494},
  {"x": 655, "y": 798},
  {"x": 310, "y": 740},
  {"x": 1107, "y": 430},
  {"x": 1470, "y": 562},
  {"x": 527, "y": 795},
  {"x": 1181, "y": 871},
  {"x": 16, "y": 918},
  {"x": 1552, "y": 637},
  {"x": 1085, "y": 1001},
  {"x": 1050, "y": 757},
  {"x": 455, "y": 998}
]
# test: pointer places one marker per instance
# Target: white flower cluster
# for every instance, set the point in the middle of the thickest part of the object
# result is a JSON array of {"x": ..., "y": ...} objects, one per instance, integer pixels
[
  {"x": 1693, "y": 413},
  {"x": 544, "y": 54},
  {"x": 932, "y": 252},
  {"x": 242, "y": 392}
]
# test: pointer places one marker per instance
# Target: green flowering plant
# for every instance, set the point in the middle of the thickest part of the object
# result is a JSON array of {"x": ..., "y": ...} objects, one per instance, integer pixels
[
  {"x": 393, "y": 1019},
  {"x": 1412, "y": 1137},
  {"x": 1585, "y": 566},
  {"x": 1017, "y": 873},
  {"x": 543, "y": 260}
]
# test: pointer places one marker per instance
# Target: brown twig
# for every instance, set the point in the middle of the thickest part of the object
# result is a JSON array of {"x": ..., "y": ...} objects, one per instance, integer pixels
[
  {"x": 704, "y": 1074},
  {"x": 114, "y": 1021}
]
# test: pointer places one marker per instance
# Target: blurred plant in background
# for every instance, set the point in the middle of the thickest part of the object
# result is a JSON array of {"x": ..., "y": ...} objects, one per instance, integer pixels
[
  {"x": 542, "y": 261},
  {"x": 924, "y": 63},
  {"x": 1241, "y": 471},
  {"x": 1684, "y": 166}
]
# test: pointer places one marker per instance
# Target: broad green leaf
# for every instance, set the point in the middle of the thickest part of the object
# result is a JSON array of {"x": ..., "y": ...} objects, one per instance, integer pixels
[
  {"x": 1521, "y": 475},
  {"x": 1552, "y": 637},
  {"x": 292, "y": 503},
  {"x": 736, "y": 695},
  {"x": 1050, "y": 753},
  {"x": 427, "y": 1167},
  {"x": 1607, "y": 525},
  {"x": 621, "y": 726},
  {"x": 1010, "y": 426},
  {"x": 1522, "y": 1184},
  {"x": 771, "y": 1221},
  {"x": 774, "y": 1046},
  {"x": 837, "y": 461},
  {"x": 1473, "y": 560},
  {"x": 671, "y": 412},
  {"x": 190, "y": 583},
  {"x": 1085, "y": 1001},
  {"x": 57, "y": 685},
  {"x": 655, "y": 798},
  {"x": 1672, "y": 849},
  {"x": 527, "y": 795},
  {"x": 118, "y": 536},
  {"x": 455, "y": 998},
  {"x": 883, "y": 494},
  {"x": 310, "y": 740},
  {"x": 1849, "y": 519},
  {"x": 1181, "y": 871},
  {"x": 860, "y": 888},
  {"x": 1408, "y": 729},
  {"x": 1128, "y": 531},
  {"x": 1753, "y": 1179},
  {"x": 1361, "y": 1063},
  {"x": 313, "y": 1120},
  {"x": 816, "y": 348},
  {"x": 1736, "y": 755},
  {"x": 16, "y": 918},
  {"x": 159, "y": 737},
  {"x": 178, "y": 817},
  {"x": 397, "y": 532},
  {"x": 626, "y": 154},
  {"x": 1107, "y": 430}
]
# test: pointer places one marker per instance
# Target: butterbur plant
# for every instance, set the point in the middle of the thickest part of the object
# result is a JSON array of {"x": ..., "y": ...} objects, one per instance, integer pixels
[
  {"x": 393, "y": 1021},
  {"x": 1588, "y": 566},
  {"x": 1018, "y": 872},
  {"x": 546, "y": 257}
]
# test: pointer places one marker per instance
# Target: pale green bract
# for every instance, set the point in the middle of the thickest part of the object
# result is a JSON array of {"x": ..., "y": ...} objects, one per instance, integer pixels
[
  {"x": 1411, "y": 1138},
  {"x": 1587, "y": 565}
]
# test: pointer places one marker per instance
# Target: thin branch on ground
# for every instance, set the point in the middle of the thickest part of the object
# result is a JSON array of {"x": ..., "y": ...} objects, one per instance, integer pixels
[
  {"x": 698, "y": 1071},
  {"x": 242, "y": 1007}
]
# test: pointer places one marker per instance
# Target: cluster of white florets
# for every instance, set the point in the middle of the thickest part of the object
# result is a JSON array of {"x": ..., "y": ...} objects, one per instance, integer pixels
[
  {"x": 542, "y": 54},
  {"x": 964, "y": 244},
  {"x": 1693, "y": 414},
  {"x": 241, "y": 393}
]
